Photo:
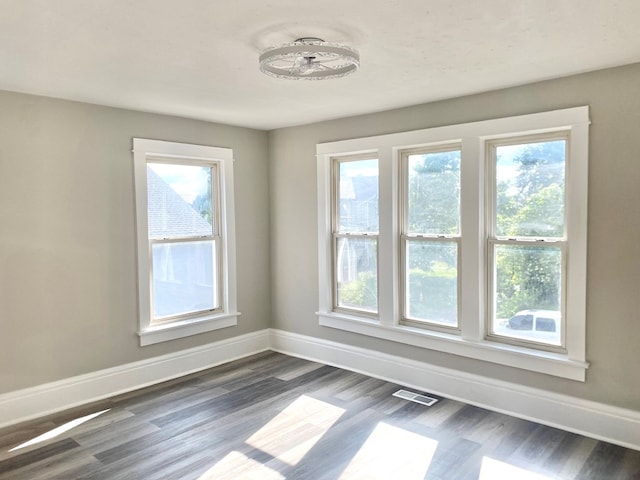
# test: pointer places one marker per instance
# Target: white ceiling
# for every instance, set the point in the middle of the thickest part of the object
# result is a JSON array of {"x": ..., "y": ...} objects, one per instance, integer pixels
[{"x": 198, "y": 58}]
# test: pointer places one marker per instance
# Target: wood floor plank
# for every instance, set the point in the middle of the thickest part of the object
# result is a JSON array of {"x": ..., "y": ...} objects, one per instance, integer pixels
[
  {"x": 22, "y": 460},
  {"x": 630, "y": 467},
  {"x": 128, "y": 429},
  {"x": 464, "y": 420},
  {"x": 514, "y": 437},
  {"x": 574, "y": 462},
  {"x": 271, "y": 416},
  {"x": 61, "y": 466},
  {"x": 151, "y": 409},
  {"x": 333, "y": 453},
  {"x": 437, "y": 414},
  {"x": 222, "y": 405},
  {"x": 562, "y": 452},
  {"x": 17, "y": 434},
  {"x": 605, "y": 461},
  {"x": 539, "y": 446},
  {"x": 451, "y": 457}
]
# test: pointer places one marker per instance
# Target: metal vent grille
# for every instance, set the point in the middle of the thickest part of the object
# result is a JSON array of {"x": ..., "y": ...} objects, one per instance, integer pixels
[{"x": 415, "y": 397}]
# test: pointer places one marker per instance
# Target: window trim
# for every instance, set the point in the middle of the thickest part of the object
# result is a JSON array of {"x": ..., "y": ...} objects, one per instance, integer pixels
[
  {"x": 149, "y": 151},
  {"x": 473, "y": 341}
]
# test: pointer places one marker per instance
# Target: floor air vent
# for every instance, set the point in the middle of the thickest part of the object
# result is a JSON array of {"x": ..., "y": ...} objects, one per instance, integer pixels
[{"x": 415, "y": 397}]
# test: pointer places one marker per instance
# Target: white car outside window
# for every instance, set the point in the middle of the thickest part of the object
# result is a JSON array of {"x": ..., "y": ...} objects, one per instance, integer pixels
[{"x": 535, "y": 325}]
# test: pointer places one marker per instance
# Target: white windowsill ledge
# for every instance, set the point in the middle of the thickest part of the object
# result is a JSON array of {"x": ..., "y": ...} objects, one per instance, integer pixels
[
  {"x": 186, "y": 328},
  {"x": 550, "y": 363}
]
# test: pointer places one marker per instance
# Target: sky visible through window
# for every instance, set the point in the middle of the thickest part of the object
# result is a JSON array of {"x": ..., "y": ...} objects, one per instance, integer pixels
[
  {"x": 360, "y": 168},
  {"x": 187, "y": 181}
]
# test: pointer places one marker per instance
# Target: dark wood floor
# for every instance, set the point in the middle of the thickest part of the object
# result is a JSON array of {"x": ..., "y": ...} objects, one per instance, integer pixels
[{"x": 271, "y": 416}]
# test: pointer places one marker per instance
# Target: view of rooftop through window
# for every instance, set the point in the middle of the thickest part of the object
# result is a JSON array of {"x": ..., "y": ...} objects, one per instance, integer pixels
[
  {"x": 180, "y": 207},
  {"x": 356, "y": 240}
]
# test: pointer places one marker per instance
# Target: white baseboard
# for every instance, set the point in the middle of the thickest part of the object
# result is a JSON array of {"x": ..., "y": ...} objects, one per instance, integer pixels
[
  {"x": 612, "y": 424},
  {"x": 29, "y": 403},
  {"x": 597, "y": 420}
]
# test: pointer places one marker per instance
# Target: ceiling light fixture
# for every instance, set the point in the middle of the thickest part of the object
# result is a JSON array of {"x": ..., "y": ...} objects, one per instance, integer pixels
[{"x": 309, "y": 58}]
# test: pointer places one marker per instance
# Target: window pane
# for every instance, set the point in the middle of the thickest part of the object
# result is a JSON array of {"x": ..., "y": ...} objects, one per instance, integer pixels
[
  {"x": 184, "y": 278},
  {"x": 432, "y": 281},
  {"x": 433, "y": 191},
  {"x": 358, "y": 196},
  {"x": 527, "y": 292},
  {"x": 179, "y": 201},
  {"x": 357, "y": 273},
  {"x": 530, "y": 189}
]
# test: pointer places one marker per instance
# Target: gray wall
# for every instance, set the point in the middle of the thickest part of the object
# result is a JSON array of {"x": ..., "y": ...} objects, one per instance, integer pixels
[
  {"x": 67, "y": 238},
  {"x": 613, "y": 299}
]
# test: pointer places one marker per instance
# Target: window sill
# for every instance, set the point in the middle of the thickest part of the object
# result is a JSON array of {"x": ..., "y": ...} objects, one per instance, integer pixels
[
  {"x": 171, "y": 331},
  {"x": 549, "y": 363}
]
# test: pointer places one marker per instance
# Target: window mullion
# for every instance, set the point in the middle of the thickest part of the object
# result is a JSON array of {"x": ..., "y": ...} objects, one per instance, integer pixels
[
  {"x": 388, "y": 306},
  {"x": 326, "y": 199},
  {"x": 472, "y": 244}
]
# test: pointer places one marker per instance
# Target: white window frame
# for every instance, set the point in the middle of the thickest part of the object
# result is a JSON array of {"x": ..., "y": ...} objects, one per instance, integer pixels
[
  {"x": 473, "y": 340},
  {"x": 221, "y": 159}
]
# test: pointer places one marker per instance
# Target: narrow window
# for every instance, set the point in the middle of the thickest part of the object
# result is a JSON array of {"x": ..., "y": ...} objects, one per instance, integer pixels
[
  {"x": 355, "y": 234},
  {"x": 184, "y": 239},
  {"x": 527, "y": 241},
  {"x": 431, "y": 236}
]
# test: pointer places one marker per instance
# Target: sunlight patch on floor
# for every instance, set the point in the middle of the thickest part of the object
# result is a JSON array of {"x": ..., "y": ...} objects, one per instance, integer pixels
[
  {"x": 294, "y": 431},
  {"x": 497, "y": 470},
  {"x": 236, "y": 465},
  {"x": 58, "y": 430},
  {"x": 392, "y": 452}
]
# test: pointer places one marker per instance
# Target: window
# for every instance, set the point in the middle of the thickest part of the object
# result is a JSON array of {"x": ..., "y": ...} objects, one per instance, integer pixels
[
  {"x": 477, "y": 246},
  {"x": 186, "y": 260},
  {"x": 431, "y": 236},
  {"x": 355, "y": 235},
  {"x": 527, "y": 237}
]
